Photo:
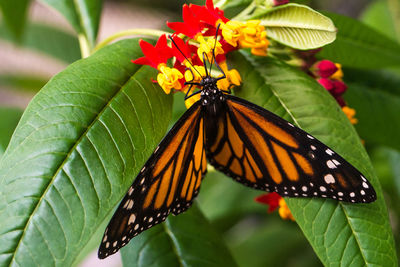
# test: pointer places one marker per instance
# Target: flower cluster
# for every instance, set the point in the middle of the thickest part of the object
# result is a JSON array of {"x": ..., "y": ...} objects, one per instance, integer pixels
[
  {"x": 330, "y": 75},
  {"x": 205, "y": 33},
  {"x": 274, "y": 200}
]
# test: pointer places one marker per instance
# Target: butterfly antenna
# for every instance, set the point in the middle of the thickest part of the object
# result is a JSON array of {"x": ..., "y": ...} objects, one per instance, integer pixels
[
  {"x": 204, "y": 62},
  {"x": 180, "y": 51},
  {"x": 215, "y": 45}
]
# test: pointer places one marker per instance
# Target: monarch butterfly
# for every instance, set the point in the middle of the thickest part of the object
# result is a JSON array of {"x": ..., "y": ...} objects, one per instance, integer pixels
[{"x": 248, "y": 143}]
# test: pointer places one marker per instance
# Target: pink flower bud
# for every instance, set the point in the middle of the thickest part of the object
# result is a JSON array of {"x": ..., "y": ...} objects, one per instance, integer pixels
[
  {"x": 339, "y": 88},
  {"x": 325, "y": 68},
  {"x": 327, "y": 84}
]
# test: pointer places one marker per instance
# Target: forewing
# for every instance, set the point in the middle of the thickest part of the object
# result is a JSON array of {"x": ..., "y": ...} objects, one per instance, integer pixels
[
  {"x": 263, "y": 151},
  {"x": 167, "y": 183}
]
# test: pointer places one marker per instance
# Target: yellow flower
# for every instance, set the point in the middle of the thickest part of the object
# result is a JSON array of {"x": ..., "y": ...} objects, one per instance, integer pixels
[
  {"x": 338, "y": 75},
  {"x": 168, "y": 78},
  {"x": 207, "y": 47},
  {"x": 198, "y": 71},
  {"x": 350, "y": 113},
  {"x": 284, "y": 210},
  {"x": 254, "y": 36},
  {"x": 231, "y": 31},
  {"x": 232, "y": 77}
]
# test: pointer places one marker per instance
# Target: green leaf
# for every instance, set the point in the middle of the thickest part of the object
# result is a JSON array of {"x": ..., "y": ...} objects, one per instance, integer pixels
[
  {"x": 349, "y": 234},
  {"x": 48, "y": 40},
  {"x": 359, "y": 46},
  {"x": 258, "y": 246},
  {"x": 238, "y": 200},
  {"x": 78, "y": 147},
  {"x": 83, "y": 15},
  {"x": 185, "y": 240},
  {"x": 377, "y": 114},
  {"x": 379, "y": 17},
  {"x": 14, "y": 15},
  {"x": 298, "y": 26},
  {"x": 9, "y": 119}
]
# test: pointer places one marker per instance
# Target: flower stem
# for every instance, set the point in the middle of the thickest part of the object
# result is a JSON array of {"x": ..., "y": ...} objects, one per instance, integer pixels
[
  {"x": 245, "y": 12},
  {"x": 146, "y": 32},
  {"x": 84, "y": 45}
]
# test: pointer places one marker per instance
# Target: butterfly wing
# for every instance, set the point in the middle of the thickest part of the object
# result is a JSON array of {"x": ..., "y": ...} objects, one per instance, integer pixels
[
  {"x": 263, "y": 151},
  {"x": 168, "y": 182}
]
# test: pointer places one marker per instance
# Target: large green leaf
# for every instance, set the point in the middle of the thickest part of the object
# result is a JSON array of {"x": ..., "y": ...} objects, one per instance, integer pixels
[
  {"x": 340, "y": 233},
  {"x": 15, "y": 14},
  {"x": 48, "y": 40},
  {"x": 298, "y": 26},
  {"x": 378, "y": 114},
  {"x": 76, "y": 150},
  {"x": 359, "y": 46},
  {"x": 379, "y": 16},
  {"x": 83, "y": 15},
  {"x": 9, "y": 119},
  {"x": 185, "y": 240}
]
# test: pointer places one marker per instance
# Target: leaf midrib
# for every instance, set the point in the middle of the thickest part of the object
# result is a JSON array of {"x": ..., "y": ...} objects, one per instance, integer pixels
[{"x": 73, "y": 148}]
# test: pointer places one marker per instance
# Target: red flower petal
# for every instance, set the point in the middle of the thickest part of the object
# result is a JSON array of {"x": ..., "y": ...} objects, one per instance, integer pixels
[
  {"x": 190, "y": 25},
  {"x": 183, "y": 47},
  {"x": 154, "y": 55},
  {"x": 271, "y": 199}
]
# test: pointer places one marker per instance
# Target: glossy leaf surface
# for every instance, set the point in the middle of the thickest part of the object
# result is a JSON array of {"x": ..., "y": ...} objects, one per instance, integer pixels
[{"x": 78, "y": 147}]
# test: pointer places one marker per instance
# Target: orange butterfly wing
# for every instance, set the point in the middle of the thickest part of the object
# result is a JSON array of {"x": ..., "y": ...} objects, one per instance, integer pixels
[
  {"x": 168, "y": 182},
  {"x": 263, "y": 151}
]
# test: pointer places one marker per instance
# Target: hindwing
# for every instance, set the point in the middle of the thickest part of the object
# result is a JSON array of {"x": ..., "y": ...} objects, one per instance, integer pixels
[{"x": 263, "y": 151}]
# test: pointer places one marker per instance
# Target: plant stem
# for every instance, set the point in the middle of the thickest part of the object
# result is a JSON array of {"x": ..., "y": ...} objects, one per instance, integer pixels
[
  {"x": 84, "y": 45},
  {"x": 245, "y": 12},
  {"x": 145, "y": 32}
]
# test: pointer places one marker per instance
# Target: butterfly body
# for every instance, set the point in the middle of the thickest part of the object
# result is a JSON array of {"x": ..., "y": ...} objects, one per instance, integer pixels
[{"x": 248, "y": 143}]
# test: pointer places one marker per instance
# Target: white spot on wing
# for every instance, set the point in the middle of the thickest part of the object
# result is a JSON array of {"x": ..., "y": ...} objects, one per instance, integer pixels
[
  {"x": 132, "y": 219},
  {"x": 329, "y": 179},
  {"x": 365, "y": 185},
  {"x": 330, "y": 164},
  {"x": 304, "y": 188},
  {"x": 309, "y": 136},
  {"x": 130, "y": 191},
  {"x": 313, "y": 147},
  {"x": 329, "y": 152},
  {"x": 352, "y": 194},
  {"x": 322, "y": 188}
]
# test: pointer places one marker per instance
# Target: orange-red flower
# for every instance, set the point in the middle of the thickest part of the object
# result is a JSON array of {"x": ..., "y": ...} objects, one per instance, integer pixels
[
  {"x": 190, "y": 26},
  {"x": 274, "y": 200},
  {"x": 154, "y": 55},
  {"x": 209, "y": 14},
  {"x": 271, "y": 199}
]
